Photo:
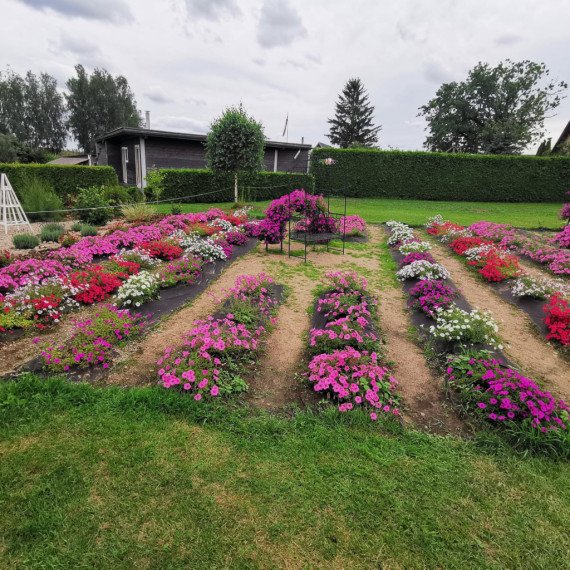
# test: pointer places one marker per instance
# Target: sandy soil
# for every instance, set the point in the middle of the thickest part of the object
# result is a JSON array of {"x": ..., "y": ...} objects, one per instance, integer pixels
[{"x": 535, "y": 356}]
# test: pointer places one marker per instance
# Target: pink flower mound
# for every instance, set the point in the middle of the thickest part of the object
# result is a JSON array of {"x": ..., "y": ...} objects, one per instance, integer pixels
[
  {"x": 281, "y": 209},
  {"x": 489, "y": 230},
  {"x": 563, "y": 238},
  {"x": 354, "y": 378},
  {"x": 508, "y": 395},
  {"x": 564, "y": 212},
  {"x": 352, "y": 225},
  {"x": 30, "y": 272}
]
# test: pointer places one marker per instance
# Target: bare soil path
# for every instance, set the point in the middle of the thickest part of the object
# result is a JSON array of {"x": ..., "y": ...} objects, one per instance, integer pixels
[{"x": 536, "y": 358}]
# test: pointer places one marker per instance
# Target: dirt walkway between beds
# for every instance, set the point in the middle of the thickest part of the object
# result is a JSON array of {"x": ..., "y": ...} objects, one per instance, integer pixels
[{"x": 535, "y": 357}]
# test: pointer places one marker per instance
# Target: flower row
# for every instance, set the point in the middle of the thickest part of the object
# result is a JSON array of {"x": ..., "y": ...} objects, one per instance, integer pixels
[{"x": 345, "y": 351}]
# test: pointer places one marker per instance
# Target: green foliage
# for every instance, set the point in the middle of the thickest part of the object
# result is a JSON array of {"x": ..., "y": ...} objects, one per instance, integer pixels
[
  {"x": 352, "y": 123},
  {"x": 87, "y": 230},
  {"x": 25, "y": 241},
  {"x": 235, "y": 144},
  {"x": 32, "y": 110},
  {"x": 439, "y": 176},
  {"x": 497, "y": 110},
  {"x": 8, "y": 148},
  {"x": 259, "y": 186},
  {"x": 98, "y": 103},
  {"x": 155, "y": 183},
  {"x": 52, "y": 232},
  {"x": 93, "y": 198},
  {"x": 10, "y": 320},
  {"x": 37, "y": 195},
  {"x": 175, "y": 209},
  {"x": 545, "y": 148},
  {"x": 64, "y": 179},
  {"x": 76, "y": 227},
  {"x": 116, "y": 195}
]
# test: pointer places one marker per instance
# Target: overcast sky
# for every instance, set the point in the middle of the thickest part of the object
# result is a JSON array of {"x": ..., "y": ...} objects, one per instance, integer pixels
[{"x": 188, "y": 59}]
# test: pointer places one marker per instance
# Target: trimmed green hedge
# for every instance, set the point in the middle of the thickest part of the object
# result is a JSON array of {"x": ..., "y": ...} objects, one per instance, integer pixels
[
  {"x": 64, "y": 178},
  {"x": 440, "y": 176},
  {"x": 262, "y": 186}
]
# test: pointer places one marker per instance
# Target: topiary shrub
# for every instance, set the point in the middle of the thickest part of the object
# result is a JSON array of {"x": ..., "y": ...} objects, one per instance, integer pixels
[
  {"x": 37, "y": 195},
  {"x": 87, "y": 230},
  {"x": 25, "y": 241},
  {"x": 93, "y": 207}
]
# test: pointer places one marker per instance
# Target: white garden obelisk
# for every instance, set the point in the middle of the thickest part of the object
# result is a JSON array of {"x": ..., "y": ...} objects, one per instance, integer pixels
[{"x": 11, "y": 211}]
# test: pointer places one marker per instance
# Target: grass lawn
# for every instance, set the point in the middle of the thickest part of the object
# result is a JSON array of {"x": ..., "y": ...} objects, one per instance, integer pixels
[
  {"x": 414, "y": 212},
  {"x": 116, "y": 478}
]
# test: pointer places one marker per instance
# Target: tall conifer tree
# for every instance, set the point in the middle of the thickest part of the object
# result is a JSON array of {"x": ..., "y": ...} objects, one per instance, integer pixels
[{"x": 353, "y": 117}]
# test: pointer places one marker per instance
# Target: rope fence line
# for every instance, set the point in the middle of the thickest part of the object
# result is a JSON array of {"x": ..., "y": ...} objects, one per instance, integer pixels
[{"x": 156, "y": 201}]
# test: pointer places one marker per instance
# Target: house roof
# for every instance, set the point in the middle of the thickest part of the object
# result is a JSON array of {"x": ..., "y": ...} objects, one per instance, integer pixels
[
  {"x": 73, "y": 160},
  {"x": 563, "y": 137},
  {"x": 142, "y": 132}
]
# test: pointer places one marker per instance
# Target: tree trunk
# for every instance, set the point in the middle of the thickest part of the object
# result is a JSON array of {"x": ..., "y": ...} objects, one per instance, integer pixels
[{"x": 235, "y": 190}]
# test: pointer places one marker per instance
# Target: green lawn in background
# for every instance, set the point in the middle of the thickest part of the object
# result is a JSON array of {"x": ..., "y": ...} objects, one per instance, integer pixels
[
  {"x": 144, "y": 478},
  {"x": 414, "y": 212}
]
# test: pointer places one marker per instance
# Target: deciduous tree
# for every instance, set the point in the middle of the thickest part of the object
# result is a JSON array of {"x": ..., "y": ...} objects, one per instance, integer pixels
[
  {"x": 496, "y": 110},
  {"x": 235, "y": 143}
]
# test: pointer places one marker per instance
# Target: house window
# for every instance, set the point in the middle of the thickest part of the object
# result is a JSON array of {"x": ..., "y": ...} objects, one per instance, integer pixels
[
  {"x": 138, "y": 165},
  {"x": 125, "y": 161}
]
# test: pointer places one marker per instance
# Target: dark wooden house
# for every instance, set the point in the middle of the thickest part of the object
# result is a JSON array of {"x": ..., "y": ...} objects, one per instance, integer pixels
[{"x": 131, "y": 151}]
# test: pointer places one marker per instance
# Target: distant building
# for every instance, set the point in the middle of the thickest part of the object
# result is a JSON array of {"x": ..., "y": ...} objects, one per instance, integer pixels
[
  {"x": 564, "y": 138},
  {"x": 131, "y": 151}
]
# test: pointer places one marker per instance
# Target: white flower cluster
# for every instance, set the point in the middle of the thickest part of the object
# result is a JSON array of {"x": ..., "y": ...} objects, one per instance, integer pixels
[
  {"x": 456, "y": 325},
  {"x": 453, "y": 234},
  {"x": 220, "y": 223},
  {"x": 207, "y": 248},
  {"x": 413, "y": 246},
  {"x": 137, "y": 256},
  {"x": 527, "y": 286},
  {"x": 137, "y": 289},
  {"x": 423, "y": 270},
  {"x": 243, "y": 211},
  {"x": 475, "y": 253},
  {"x": 431, "y": 221},
  {"x": 400, "y": 232}
]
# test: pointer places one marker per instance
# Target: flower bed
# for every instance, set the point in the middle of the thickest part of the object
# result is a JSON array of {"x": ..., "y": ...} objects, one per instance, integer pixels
[
  {"x": 509, "y": 401},
  {"x": 93, "y": 340},
  {"x": 489, "y": 390},
  {"x": 345, "y": 362},
  {"x": 217, "y": 349}
]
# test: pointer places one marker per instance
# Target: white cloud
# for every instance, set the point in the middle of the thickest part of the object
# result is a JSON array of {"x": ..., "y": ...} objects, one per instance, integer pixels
[
  {"x": 117, "y": 11},
  {"x": 211, "y": 10},
  {"x": 157, "y": 95},
  {"x": 279, "y": 25}
]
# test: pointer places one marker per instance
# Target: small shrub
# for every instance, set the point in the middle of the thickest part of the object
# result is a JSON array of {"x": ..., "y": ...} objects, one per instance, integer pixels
[
  {"x": 25, "y": 241},
  {"x": 93, "y": 198},
  {"x": 37, "y": 195},
  {"x": 76, "y": 227},
  {"x": 116, "y": 195},
  {"x": 52, "y": 232},
  {"x": 138, "y": 212},
  {"x": 87, "y": 230},
  {"x": 176, "y": 209}
]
